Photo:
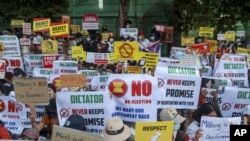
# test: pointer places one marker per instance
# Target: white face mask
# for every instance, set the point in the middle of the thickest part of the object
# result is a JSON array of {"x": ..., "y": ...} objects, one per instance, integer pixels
[
  {"x": 88, "y": 39},
  {"x": 127, "y": 26},
  {"x": 111, "y": 39},
  {"x": 140, "y": 37},
  {"x": 152, "y": 37}
]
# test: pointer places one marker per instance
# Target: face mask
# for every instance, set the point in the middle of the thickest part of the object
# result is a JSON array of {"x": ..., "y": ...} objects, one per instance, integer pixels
[
  {"x": 152, "y": 38},
  {"x": 177, "y": 127},
  {"x": 88, "y": 39},
  {"x": 127, "y": 26},
  {"x": 140, "y": 37},
  {"x": 19, "y": 76},
  {"x": 111, "y": 39}
]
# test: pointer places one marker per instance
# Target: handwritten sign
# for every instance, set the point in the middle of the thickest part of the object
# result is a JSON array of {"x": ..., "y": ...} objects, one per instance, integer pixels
[
  {"x": 67, "y": 134},
  {"x": 217, "y": 129},
  {"x": 31, "y": 90},
  {"x": 73, "y": 80}
]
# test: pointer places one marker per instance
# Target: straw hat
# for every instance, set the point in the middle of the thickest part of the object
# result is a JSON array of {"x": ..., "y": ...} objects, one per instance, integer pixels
[
  {"x": 170, "y": 114},
  {"x": 115, "y": 130}
]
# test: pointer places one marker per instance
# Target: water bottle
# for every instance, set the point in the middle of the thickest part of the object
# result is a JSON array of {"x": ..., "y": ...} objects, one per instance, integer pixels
[{"x": 155, "y": 136}]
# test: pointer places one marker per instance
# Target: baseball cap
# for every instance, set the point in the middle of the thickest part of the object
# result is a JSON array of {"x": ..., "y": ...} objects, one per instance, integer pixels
[
  {"x": 75, "y": 122},
  {"x": 246, "y": 110},
  {"x": 170, "y": 114}
]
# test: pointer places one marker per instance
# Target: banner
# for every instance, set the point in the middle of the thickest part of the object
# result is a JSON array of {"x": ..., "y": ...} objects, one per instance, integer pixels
[
  {"x": 47, "y": 60},
  {"x": 234, "y": 70},
  {"x": 230, "y": 36},
  {"x": 13, "y": 62},
  {"x": 126, "y": 32},
  {"x": 64, "y": 67},
  {"x": 32, "y": 61},
  {"x": 78, "y": 53},
  {"x": 2, "y": 69},
  {"x": 97, "y": 58},
  {"x": 213, "y": 84},
  {"x": 9, "y": 114},
  {"x": 168, "y": 34},
  {"x": 174, "y": 50},
  {"x": 41, "y": 24},
  {"x": 16, "y": 22},
  {"x": 9, "y": 45},
  {"x": 233, "y": 101},
  {"x": 27, "y": 29},
  {"x": 42, "y": 72},
  {"x": 201, "y": 48},
  {"x": 90, "y": 74},
  {"x": 98, "y": 83},
  {"x": 135, "y": 96},
  {"x": 147, "y": 59},
  {"x": 181, "y": 86},
  {"x": 91, "y": 105}
]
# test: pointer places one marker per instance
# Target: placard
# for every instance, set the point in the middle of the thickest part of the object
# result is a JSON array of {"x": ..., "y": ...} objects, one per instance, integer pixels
[
  {"x": 67, "y": 134},
  {"x": 73, "y": 80},
  {"x": 31, "y": 90}
]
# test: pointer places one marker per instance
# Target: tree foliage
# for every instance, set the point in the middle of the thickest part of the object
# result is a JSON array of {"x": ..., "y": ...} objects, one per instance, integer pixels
[
  {"x": 29, "y": 9},
  {"x": 221, "y": 14}
]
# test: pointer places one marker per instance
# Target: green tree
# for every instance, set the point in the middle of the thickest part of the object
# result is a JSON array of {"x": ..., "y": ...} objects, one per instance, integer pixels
[
  {"x": 29, "y": 9},
  {"x": 221, "y": 14}
]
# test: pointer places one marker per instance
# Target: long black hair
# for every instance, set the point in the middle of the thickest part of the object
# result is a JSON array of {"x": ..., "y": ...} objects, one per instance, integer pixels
[{"x": 205, "y": 109}]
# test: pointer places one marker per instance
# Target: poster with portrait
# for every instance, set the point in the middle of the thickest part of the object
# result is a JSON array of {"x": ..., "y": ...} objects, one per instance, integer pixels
[{"x": 49, "y": 47}]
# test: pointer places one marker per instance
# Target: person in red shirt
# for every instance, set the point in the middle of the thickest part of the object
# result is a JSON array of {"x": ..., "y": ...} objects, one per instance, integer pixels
[{"x": 4, "y": 132}]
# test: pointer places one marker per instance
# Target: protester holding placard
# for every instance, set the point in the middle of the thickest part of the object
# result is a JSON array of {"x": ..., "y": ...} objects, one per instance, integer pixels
[
  {"x": 50, "y": 118},
  {"x": 193, "y": 130}
]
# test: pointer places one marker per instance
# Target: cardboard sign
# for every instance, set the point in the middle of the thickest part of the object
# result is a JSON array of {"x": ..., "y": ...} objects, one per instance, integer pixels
[
  {"x": 31, "y": 90},
  {"x": 73, "y": 80},
  {"x": 67, "y": 134}
]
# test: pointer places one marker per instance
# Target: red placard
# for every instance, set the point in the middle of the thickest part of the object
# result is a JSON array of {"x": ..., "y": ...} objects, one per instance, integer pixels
[{"x": 48, "y": 61}]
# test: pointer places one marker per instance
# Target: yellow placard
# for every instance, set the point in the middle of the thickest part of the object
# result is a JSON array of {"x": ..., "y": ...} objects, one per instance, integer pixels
[
  {"x": 134, "y": 70},
  {"x": 213, "y": 45},
  {"x": 49, "y": 47},
  {"x": 105, "y": 36},
  {"x": 41, "y": 24},
  {"x": 75, "y": 28},
  {"x": 160, "y": 131},
  {"x": 241, "y": 50},
  {"x": 60, "y": 29},
  {"x": 206, "y": 31},
  {"x": 147, "y": 59},
  {"x": 78, "y": 53},
  {"x": 112, "y": 59},
  {"x": 230, "y": 36},
  {"x": 126, "y": 50},
  {"x": 17, "y": 23},
  {"x": 186, "y": 41},
  {"x": 1, "y": 48}
]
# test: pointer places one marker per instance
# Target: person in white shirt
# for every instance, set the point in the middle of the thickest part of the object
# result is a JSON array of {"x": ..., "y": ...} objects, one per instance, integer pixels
[{"x": 143, "y": 42}]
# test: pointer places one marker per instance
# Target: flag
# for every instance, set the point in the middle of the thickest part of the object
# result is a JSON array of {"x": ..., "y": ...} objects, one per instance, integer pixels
[{"x": 154, "y": 47}]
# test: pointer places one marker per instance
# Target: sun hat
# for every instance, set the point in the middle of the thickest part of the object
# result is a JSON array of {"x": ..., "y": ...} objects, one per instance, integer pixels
[
  {"x": 116, "y": 130},
  {"x": 75, "y": 122},
  {"x": 31, "y": 133},
  {"x": 246, "y": 110},
  {"x": 169, "y": 114}
]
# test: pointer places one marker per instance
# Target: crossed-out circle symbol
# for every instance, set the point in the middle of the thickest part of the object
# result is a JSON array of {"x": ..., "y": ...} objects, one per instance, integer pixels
[
  {"x": 64, "y": 112},
  {"x": 160, "y": 82},
  {"x": 126, "y": 50},
  {"x": 56, "y": 71},
  {"x": 19, "y": 107},
  {"x": 95, "y": 88},
  {"x": 226, "y": 106}
]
